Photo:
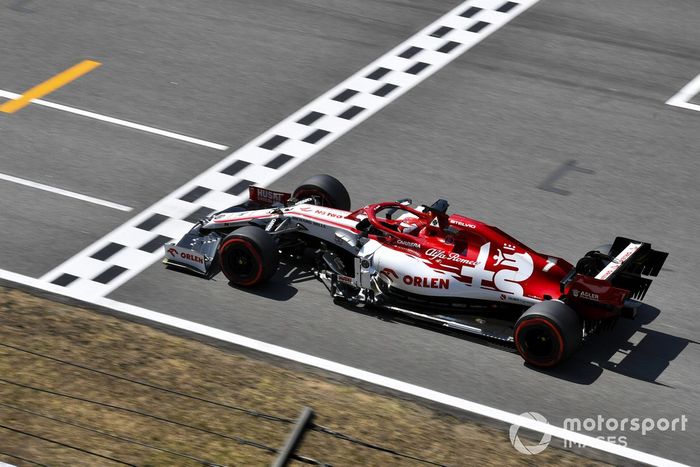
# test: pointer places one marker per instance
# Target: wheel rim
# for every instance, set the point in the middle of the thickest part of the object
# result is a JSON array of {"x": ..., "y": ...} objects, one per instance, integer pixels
[
  {"x": 240, "y": 263},
  {"x": 539, "y": 342}
]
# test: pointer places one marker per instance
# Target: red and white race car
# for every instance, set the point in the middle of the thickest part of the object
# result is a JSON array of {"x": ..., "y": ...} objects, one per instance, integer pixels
[{"x": 424, "y": 263}]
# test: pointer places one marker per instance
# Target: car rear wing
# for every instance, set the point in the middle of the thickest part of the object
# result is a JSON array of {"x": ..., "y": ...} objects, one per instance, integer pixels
[
  {"x": 633, "y": 257},
  {"x": 630, "y": 260},
  {"x": 627, "y": 266}
]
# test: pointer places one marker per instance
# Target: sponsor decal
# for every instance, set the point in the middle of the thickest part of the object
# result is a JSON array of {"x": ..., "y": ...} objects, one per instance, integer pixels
[
  {"x": 617, "y": 262},
  {"x": 463, "y": 224},
  {"x": 586, "y": 295},
  {"x": 625, "y": 257},
  {"x": 321, "y": 212},
  {"x": 191, "y": 257},
  {"x": 408, "y": 244},
  {"x": 440, "y": 255},
  {"x": 345, "y": 279},
  {"x": 389, "y": 272},
  {"x": 185, "y": 255},
  {"x": 330, "y": 214},
  {"x": 309, "y": 221},
  {"x": 267, "y": 196},
  {"x": 427, "y": 282},
  {"x": 512, "y": 269}
]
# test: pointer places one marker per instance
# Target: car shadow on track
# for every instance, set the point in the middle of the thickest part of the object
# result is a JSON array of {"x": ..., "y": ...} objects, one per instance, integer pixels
[
  {"x": 397, "y": 318},
  {"x": 629, "y": 349},
  {"x": 281, "y": 286}
]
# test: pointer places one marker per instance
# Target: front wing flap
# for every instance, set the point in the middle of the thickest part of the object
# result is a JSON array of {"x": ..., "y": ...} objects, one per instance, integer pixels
[{"x": 194, "y": 252}]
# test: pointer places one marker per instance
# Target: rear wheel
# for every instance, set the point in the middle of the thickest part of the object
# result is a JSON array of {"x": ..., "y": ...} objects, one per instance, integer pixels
[
  {"x": 548, "y": 333},
  {"x": 248, "y": 256},
  {"x": 328, "y": 190}
]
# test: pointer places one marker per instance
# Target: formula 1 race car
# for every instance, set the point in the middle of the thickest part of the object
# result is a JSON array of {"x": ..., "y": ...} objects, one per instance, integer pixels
[{"x": 424, "y": 264}]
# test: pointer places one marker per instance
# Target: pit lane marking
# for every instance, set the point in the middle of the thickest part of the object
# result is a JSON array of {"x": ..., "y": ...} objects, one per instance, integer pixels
[
  {"x": 682, "y": 98},
  {"x": 50, "y": 85},
  {"x": 346, "y": 370},
  {"x": 117, "y": 121},
  {"x": 60, "y": 191}
]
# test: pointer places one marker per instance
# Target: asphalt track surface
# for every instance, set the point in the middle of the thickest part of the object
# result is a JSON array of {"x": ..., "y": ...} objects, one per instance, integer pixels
[{"x": 554, "y": 128}]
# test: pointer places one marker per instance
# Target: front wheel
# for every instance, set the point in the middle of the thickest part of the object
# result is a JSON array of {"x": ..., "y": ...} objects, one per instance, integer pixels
[
  {"x": 548, "y": 333},
  {"x": 248, "y": 256},
  {"x": 328, "y": 190}
]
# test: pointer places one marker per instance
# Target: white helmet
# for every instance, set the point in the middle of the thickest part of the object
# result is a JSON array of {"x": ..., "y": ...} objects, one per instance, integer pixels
[{"x": 409, "y": 223}]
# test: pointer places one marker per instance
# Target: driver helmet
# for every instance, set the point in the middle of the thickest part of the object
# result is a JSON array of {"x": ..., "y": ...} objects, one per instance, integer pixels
[{"x": 409, "y": 223}]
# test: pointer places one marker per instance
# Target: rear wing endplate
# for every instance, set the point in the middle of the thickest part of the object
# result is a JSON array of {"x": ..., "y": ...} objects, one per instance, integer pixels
[
  {"x": 628, "y": 265},
  {"x": 630, "y": 260}
]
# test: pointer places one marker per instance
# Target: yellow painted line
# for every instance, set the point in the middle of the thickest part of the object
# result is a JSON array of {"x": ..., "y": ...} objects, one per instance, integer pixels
[{"x": 49, "y": 86}]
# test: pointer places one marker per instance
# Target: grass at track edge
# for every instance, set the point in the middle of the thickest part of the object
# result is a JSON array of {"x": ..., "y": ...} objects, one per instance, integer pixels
[{"x": 140, "y": 352}]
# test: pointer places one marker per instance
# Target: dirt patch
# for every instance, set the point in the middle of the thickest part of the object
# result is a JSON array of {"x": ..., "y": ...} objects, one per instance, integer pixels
[{"x": 38, "y": 328}]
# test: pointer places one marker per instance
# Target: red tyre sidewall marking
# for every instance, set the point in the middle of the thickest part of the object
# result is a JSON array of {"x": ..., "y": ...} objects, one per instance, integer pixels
[
  {"x": 551, "y": 326},
  {"x": 252, "y": 250}
]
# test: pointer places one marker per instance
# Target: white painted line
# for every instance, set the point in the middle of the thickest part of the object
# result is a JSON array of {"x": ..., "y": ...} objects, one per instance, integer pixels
[
  {"x": 70, "y": 194},
  {"x": 337, "y": 112},
  {"x": 682, "y": 97},
  {"x": 328, "y": 365},
  {"x": 117, "y": 121}
]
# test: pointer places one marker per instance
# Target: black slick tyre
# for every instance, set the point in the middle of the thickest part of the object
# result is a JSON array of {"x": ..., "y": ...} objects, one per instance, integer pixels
[
  {"x": 248, "y": 256},
  {"x": 327, "y": 189},
  {"x": 547, "y": 333}
]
